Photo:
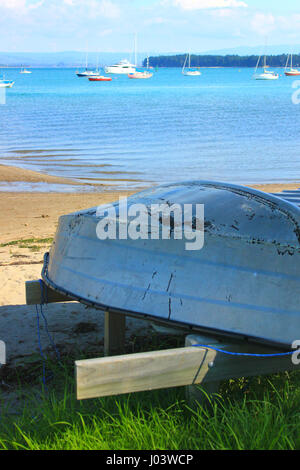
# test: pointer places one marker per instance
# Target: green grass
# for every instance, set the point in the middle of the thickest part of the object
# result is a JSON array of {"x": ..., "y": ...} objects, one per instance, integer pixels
[
  {"x": 259, "y": 414},
  {"x": 25, "y": 243}
]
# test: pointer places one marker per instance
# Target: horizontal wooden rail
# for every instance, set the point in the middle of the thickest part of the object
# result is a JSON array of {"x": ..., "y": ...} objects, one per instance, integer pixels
[{"x": 172, "y": 368}]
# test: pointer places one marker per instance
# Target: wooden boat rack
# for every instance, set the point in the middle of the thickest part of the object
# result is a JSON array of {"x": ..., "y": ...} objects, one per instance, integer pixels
[{"x": 191, "y": 366}]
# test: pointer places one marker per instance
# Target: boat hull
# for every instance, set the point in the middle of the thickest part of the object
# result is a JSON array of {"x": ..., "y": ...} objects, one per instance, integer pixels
[
  {"x": 192, "y": 74},
  {"x": 100, "y": 79},
  {"x": 292, "y": 74},
  {"x": 139, "y": 76},
  {"x": 244, "y": 282},
  {"x": 119, "y": 70},
  {"x": 6, "y": 84},
  {"x": 267, "y": 77}
]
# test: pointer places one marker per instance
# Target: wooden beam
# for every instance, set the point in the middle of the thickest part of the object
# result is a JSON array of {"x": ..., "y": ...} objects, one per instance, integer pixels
[
  {"x": 172, "y": 368},
  {"x": 35, "y": 292},
  {"x": 137, "y": 372},
  {"x": 114, "y": 333}
]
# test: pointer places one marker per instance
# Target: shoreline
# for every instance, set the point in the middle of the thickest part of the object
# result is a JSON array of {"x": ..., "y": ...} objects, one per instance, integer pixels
[
  {"x": 14, "y": 174},
  {"x": 34, "y": 215}
]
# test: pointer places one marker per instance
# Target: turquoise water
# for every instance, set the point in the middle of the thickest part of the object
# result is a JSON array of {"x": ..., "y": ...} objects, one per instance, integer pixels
[{"x": 222, "y": 126}]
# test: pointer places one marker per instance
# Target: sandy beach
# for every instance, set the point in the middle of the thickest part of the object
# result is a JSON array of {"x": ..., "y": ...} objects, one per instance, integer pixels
[{"x": 27, "y": 225}]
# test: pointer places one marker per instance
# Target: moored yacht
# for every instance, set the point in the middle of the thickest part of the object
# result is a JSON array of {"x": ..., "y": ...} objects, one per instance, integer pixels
[
  {"x": 266, "y": 74},
  {"x": 291, "y": 72},
  {"x": 88, "y": 73},
  {"x": 6, "y": 83},
  {"x": 140, "y": 75},
  {"x": 122, "y": 67}
]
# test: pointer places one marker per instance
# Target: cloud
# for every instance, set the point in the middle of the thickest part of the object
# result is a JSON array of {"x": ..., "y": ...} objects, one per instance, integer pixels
[
  {"x": 209, "y": 4},
  {"x": 263, "y": 23},
  {"x": 12, "y": 4},
  {"x": 20, "y": 6},
  {"x": 104, "y": 8}
]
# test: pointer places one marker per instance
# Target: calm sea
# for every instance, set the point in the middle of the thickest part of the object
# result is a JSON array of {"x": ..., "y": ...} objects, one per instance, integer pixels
[{"x": 222, "y": 126}]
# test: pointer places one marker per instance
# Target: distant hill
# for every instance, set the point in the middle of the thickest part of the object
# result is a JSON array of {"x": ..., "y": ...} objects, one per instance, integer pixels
[
  {"x": 255, "y": 50},
  {"x": 220, "y": 61},
  {"x": 63, "y": 59},
  {"x": 78, "y": 59}
]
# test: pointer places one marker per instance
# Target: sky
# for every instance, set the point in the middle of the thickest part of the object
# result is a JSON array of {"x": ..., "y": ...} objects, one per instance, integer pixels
[{"x": 161, "y": 25}]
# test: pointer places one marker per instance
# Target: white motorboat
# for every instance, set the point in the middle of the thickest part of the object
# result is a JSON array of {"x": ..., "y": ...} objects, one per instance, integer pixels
[{"x": 124, "y": 67}]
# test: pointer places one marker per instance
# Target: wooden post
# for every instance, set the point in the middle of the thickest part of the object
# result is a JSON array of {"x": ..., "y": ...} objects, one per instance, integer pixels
[
  {"x": 37, "y": 292},
  {"x": 114, "y": 333},
  {"x": 201, "y": 394}
]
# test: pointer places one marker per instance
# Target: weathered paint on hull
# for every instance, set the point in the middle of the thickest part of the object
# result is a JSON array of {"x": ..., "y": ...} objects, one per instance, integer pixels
[{"x": 245, "y": 281}]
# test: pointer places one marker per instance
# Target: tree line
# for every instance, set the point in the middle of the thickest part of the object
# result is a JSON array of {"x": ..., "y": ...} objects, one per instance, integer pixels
[{"x": 220, "y": 61}]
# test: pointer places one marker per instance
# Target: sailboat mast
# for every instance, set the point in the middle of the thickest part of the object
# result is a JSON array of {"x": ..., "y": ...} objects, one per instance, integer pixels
[
  {"x": 287, "y": 61},
  {"x": 257, "y": 64},
  {"x": 184, "y": 64},
  {"x": 135, "y": 50}
]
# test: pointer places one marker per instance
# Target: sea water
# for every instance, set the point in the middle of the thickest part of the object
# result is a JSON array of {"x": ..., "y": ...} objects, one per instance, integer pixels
[{"x": 221, "y": 126}]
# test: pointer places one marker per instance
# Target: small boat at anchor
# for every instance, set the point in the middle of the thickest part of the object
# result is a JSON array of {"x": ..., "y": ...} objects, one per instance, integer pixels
[
  {"x": 266, "y": 74},
  {"x": 243, "y": 283},
  {"x": 291, "y": 72},
  {"x": 140, "y": 75},
  {"x": 101, "y": 78},
  {"x": 25, "y": 71},
  {"x": 6, "y": 83},
  {"x": 88, "y": 74},
  {"x": 190, "y": 72}
]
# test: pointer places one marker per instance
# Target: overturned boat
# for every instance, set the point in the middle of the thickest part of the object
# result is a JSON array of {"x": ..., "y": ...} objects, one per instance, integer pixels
[{"x": 242, "y": 281}]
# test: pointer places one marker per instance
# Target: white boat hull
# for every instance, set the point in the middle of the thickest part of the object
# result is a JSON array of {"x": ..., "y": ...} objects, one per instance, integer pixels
[
  {"x": 119, "y": 70},
  {"x": 245, "y": 282},
  {"x": 6, "y": 85},
  {"x": 266, "y": 76},
  {"x": 192, "y": 74}
]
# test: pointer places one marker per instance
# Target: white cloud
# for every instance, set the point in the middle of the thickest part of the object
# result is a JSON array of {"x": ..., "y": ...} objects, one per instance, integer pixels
[
  {"x": 207, "y": 4},
  {"x": 20, "y": 5},
  {"x": 263, "y": 23},
  {"x": 105, "y": 8},
  {"x": 12, "y": 4}
]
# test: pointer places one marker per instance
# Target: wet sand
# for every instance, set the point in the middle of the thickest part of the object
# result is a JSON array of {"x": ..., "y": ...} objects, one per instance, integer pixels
[
  {"x": 11, "y": 174},
  {"x": 27, "y": 224},
  {"x": 35, "y": 215}
]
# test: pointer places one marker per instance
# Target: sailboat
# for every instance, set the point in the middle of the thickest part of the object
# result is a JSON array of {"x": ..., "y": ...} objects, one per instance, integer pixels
[
  {"x": 267, "y": 74},
  {"x": 190, "y": 72},
  {"x": 291, "y": 72},
  {"x": 136, "y": 74},
  {"x": 87, "y": 73},
  {"x": 139, "y": 74},
  {"x": 6, "y": 83},
  {"x": 23, "y": 70}
]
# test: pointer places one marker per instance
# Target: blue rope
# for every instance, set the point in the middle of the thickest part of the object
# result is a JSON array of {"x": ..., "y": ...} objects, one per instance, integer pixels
[
  {"x": 43, "y": 302},
  {"x": 40, "y": 346},
  {"x": 242, "y": 354},
  {"x": 49, "y": 336}
]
